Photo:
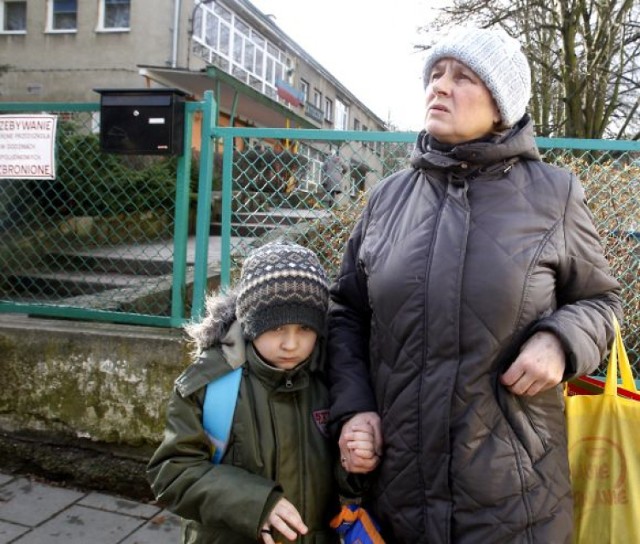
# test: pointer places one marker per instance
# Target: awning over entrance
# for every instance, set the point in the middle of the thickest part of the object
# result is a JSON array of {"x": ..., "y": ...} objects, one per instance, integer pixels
[{"x": 234, "y": 97}]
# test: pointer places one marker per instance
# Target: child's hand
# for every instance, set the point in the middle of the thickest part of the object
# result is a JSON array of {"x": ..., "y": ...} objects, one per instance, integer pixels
[
  {"x": 285, "y": 519},
  {"x": 361, "y": 443}
]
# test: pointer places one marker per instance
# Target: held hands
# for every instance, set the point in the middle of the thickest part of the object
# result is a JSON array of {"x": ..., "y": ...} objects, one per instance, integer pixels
[
  {"x": 285, "y": 519},
  {"x": 361, "y": 443},
  {"x": 539, "y": 366}
]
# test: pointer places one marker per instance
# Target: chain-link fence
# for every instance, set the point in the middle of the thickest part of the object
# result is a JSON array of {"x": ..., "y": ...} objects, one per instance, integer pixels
[
  {"x": 312, "y": 186},
  {"x": 98, "y": 241},
  {"x": 139, "y": 239}
]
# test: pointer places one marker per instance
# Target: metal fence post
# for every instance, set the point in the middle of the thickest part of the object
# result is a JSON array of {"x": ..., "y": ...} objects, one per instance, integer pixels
[
  {"x": 203, "y": 226},
  {"x": 181, "y": 226},
  {"x": 225, "y": 241}
]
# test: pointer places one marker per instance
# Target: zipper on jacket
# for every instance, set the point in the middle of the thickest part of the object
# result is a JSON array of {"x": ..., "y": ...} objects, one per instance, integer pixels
[
  {"x": 302, "y": 455},
  {"x": 425, "y": 348},
  {"x": 252, "y": 400}
]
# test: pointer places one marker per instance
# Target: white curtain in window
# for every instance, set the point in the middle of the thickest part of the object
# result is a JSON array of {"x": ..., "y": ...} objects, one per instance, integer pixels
[
  {"x": 15, "y": 16},
  {"x": 342, "y": 115},
  {"x": 64, "y": 14},
  {"x": 117, "y": 13}
]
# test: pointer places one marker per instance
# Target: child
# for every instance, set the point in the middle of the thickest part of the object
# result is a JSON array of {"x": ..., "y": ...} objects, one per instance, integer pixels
[{"x": 275, "y": 481}]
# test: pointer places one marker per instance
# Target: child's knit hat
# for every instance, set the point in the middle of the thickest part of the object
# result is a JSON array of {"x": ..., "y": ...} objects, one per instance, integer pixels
[
  {"x": 281, "y": 283},
  {"x": 496, "y": 58}
]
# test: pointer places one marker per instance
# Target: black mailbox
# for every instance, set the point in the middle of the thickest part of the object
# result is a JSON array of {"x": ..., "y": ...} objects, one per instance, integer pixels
[{"x": 142, "y": 121}]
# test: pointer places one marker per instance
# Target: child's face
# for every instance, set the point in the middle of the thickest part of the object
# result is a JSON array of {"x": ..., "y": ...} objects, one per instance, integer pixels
[{"x": 287, "y": 346}]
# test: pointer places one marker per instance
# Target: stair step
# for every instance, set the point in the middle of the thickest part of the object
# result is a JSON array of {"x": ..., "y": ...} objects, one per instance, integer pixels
[
  {"x": 65, "y": 284},
  {"x": 108, "y": 265},
  {"x": 243, "y": 230}
]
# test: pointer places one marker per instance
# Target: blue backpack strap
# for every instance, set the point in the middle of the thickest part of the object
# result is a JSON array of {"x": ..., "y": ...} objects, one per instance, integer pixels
[{"x": 218, "y": 409}]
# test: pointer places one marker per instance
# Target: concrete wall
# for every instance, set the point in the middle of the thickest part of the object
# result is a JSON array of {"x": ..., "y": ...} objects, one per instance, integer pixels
[{"x": 85, "y": 402}]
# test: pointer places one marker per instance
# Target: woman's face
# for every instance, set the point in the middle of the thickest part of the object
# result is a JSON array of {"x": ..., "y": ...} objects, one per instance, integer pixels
[{"x": 459, "y": 105}]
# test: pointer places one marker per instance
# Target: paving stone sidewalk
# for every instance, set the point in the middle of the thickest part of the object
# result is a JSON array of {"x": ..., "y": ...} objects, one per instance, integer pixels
[{"x": 32, "y": 512}]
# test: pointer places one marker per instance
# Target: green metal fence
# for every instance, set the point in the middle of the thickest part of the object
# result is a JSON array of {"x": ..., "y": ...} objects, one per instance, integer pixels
[
  {"x": 107, "y": 239},
  {"x": 141, "y": 239}
]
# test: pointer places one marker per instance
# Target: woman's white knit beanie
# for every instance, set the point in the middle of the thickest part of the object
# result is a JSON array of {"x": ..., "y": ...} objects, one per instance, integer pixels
[{"x": 497, "y": 59}]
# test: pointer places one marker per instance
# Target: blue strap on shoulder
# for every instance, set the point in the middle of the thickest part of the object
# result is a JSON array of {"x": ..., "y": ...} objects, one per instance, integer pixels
[{"x": 218, "y": 409}]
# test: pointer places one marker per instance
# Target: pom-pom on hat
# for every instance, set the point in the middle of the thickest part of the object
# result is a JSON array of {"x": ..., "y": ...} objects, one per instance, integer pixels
[
  {"x": 281, "y": 283},
  {"x": 497, "y": 59}
]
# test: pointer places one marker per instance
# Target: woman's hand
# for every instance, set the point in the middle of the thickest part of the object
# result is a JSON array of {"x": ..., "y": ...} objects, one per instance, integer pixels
[
  {"x": 539, "y": 366},
  {"x": 361, "y": 443},
  {"x": 285, "y": 519}
]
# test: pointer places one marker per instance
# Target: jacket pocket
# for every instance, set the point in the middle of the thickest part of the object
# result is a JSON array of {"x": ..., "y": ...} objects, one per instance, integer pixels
[{"x": 527, "y": 427}]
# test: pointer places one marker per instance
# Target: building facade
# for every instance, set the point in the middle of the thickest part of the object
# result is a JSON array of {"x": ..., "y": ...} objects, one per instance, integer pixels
[{"x": 61, "y": 50}]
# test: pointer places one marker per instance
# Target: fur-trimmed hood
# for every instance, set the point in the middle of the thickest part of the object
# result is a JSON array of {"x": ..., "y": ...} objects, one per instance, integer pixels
[
  {"x": 220, "y": 314},
  {"x": 219, "y": 343}
]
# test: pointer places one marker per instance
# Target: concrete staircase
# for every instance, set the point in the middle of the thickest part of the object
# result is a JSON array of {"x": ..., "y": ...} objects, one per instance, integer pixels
[{"x": 125, "y": 278}]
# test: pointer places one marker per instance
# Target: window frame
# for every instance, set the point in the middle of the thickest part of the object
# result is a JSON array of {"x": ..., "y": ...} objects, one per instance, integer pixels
[
  {"x": 317, "y": 98},
  {"x": 102, "y": 13},
  {"x": 51, "y": 11},
  {"x": 3, "y": 17},
  {"x": 341, "y": 115},
  {"x": 328, "y": 109},
  {"x": 304, "y": 87},
  {"x": 239, "y": 48}
]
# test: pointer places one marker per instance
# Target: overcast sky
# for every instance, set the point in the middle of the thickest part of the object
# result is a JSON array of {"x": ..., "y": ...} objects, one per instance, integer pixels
[{"x": 367, "y": 45}]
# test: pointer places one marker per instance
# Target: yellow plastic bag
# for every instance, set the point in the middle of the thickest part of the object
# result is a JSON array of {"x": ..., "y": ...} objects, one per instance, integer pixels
[{"x": 604, "y": 456}]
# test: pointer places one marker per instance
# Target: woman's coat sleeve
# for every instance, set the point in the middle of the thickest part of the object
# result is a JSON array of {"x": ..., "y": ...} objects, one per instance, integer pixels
[
  {"x": 348, "y": 346},
  {"x": 588, "y": 295}
]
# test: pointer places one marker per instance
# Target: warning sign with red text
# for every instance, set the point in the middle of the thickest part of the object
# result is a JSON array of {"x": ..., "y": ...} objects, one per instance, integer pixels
[{"x": 27, "y": 146}]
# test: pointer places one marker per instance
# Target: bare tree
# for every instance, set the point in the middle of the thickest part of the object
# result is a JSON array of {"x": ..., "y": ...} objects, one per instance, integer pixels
[{"x": 583, "y": 55}]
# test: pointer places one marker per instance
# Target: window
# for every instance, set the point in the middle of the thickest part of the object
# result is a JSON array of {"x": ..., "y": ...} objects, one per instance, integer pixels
[
  {"x": 225, "y": 38},
  {"x": 237, "y": 48},
  {"x": 115, "y": 14},
  {"x": 356, "y": 124},
  {"x": 196, "y": 24},
  {"x": 304, "y": 87},
  {"x": 62, "y": 14},
  {"x": 249, "y": 56},
  {"x": 342, "y": 115},
  {"x": 13, "y": 16},
  {"x": 317, "y": 98},
  {"x": 367, "y": 145},
  {"x": 328, "y": 109},
  {"x": 269, "y": 72}
]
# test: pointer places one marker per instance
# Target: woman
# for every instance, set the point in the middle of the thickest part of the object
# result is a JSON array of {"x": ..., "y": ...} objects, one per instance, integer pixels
[{"x": 472, "y": 286}]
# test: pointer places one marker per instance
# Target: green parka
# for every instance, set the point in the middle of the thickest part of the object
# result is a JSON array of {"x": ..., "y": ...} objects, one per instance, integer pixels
[{"x": 279, "y": 446}]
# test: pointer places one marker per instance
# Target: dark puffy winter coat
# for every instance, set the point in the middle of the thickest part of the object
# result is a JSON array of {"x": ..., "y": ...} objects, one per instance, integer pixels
[{"x": 453, "y": 264}]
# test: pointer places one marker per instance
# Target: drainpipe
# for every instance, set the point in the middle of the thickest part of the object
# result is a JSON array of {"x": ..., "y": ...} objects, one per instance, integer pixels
[{"x": 176, "y": 32}]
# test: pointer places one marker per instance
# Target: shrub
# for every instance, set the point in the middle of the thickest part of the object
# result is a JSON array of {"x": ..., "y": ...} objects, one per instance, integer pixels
[{"x": 102, "y": 185}]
